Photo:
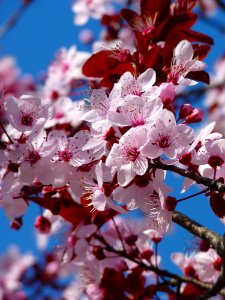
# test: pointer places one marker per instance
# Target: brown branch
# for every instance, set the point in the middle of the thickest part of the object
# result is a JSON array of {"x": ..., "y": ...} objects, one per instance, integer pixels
[
  {"x": 220, "y": 283},
  {"x": 212, "y": 184},
  {"x": 220, "y": 4},
  {"x": 214, "y": 239},
  {"x": 176, "y": 279},
  {"x": 201, "y": 90},
  {"x": 12, "y": 21}
]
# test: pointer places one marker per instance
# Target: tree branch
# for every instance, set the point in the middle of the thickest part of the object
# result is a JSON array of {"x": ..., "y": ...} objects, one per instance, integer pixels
[
  {"x": 214, "y": 239},
  {"x": 212, "y": 184},
  {"x": 201, "y": 90},
  {"x": 12, "y": 21},
  {"x": 220, "y": 4},
  {"x": 176, "y": 279}
]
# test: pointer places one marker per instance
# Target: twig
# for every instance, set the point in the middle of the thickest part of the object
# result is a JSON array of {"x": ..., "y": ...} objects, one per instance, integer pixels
[
  {"x": 12, "y": 21},
  {"x": 119, "y": 234},
  {"x": 221, "y": 4},
  {"x": 214, "y": 239},
  {"x": 176, "y": 279},
  {"x": 212, "y": 184},
  {"x": 193, "y": 195},
  {"x": 220, "y": 283},
  {"x": 201, "y": 90}
]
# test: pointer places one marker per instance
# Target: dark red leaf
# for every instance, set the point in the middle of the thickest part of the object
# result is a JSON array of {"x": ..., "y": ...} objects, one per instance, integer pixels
[
  {"x": 176, "y": 24},
  {"x": 131, "y": 17},
  {"x": 66, "y": 208},
  {"x": 199, "y": 76},
  {"x": 201, "y": 51},
  {"x": 99, "y": 63},
  {"x": 217, "y": 203},
  {"x": 191, "y": 291},
  {"x": 194, "y": 36},
  {"x": 157, "y": 9}
]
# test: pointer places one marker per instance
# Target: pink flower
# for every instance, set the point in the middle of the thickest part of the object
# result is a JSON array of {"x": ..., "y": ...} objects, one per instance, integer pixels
[
  {"x": 202, "y": 143},
  {"x": 63, "y": 72},
  {"x": 165, "y": 137},
  {"x": 84, "y": 9},
  {"x": 100, "y": 195},
  {"x": 141, "y": 86},
  {"x": 12, "y": 202},
  {"x": 66, "y": 111},
  {"x": 186, "y": 263},
  {"x": 135, "y": 111},
  {"x": 183, "y": 63},
  {"x": 126, "y": 156},
  {"x": 102, "y": 137},
  {"x": 26, "y": 112},
  {"x": 37, "y": 154},
  {"x": 208, "y": 265},
  {"x": 99, "y": 106},
  {"x": 68, "y": 148}
]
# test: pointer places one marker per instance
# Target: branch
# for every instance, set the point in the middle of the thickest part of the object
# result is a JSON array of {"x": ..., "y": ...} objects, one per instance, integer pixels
[
  {"x": 212, "y": 184},
  {"x": 214, "y": 239},
  {"x": 176, "y": 279},
  {"x": 220, "y": 4},
  {"x": 220, "y": 283},
  {"x": 12, "y": 21},
  {"x": 201, "y": 90}
]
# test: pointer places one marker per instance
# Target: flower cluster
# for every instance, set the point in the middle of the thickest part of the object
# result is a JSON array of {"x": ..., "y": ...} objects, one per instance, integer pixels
[{"x": 90, "y": 162}]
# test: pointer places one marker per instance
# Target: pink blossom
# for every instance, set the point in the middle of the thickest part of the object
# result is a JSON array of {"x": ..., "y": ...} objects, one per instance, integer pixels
[
  {"x": 135, "y": 111},
  {"x": 37, "y": 154},
  {"x": 183, "y": 63},
  {"x": 208, "y": 265},
  {"x": 102, "y": 137},
  {"x": 26, "y": 112},
  {"x": 100, "y": 192},
  {"x": 126, "y": 156},
  {"x": 99, "y": 106},
  {"x": 141, "y": 86},
  {"x": 165, "y": 137},
  {"x": 84, "y": 9},
  {"x": 68, "y": 149},
  {"x": 12, "y": 201}
]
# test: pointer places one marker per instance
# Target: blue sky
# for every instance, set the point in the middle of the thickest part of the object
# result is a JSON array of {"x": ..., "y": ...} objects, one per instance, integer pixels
[{"x": 46, "y": 26}]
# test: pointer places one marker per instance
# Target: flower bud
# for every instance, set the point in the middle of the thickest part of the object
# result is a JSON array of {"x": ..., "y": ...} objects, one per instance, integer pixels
[
  {"x": 195, "y": 117},
  {"x": 170, "y": 203},
  {"x": 42, "y": 224},
  {"x": 185, "y": 110},
  {"x": 215, "y": 161},
  {"x": 167, "y": 93}
]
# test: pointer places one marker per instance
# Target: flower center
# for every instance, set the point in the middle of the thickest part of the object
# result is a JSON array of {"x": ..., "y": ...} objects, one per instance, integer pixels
[
  {"x": 132, "y": 154},
  {"x": 27, "y": 119},
  {"x": 33, "y": 157},
  {"x": 164, "y": 142},
  {"x": 65, "y": 155}
]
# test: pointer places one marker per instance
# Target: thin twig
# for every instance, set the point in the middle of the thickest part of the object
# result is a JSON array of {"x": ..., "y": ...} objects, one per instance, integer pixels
[
  {"x": 201, "y": 90},
  {"x": 119, "y": 234},
  {"x": 14, "y": 18},
  {"x": 193, "y": 195},
  {"x": 220, "y": 4},
  {"x": 176, "y": 278}
]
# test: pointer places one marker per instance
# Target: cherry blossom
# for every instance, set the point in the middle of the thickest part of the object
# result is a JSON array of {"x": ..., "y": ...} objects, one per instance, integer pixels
[
  {"x": 88, "y": 8},
  {"x": 183, "y": 63},
  {"x": 126, "y": 156},
  {"x": 26, "y": 112},
  {"x": 165, "y": 137}
]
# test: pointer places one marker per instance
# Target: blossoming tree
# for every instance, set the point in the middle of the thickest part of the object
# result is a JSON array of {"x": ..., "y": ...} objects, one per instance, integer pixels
[{"x": 98, "y": 167}]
